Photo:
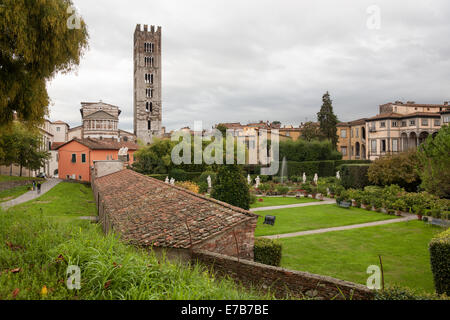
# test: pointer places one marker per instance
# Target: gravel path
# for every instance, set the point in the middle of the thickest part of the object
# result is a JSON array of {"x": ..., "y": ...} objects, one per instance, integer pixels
[
  {"x": 31, "y": 195},
  {"x": 355, "y": 226}
]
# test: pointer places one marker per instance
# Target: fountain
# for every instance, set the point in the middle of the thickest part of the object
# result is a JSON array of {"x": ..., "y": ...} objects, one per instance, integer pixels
[{"x": 284, "y": 172}]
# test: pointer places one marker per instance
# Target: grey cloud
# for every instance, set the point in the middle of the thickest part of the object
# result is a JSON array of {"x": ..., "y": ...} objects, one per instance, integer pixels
[{"x": 263, "y": 60}]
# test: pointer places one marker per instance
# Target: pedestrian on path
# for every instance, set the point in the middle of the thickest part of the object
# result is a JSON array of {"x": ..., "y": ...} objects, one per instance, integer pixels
[
  {"x": 34, "y": 185},
  {"x": 39, "y": 188}
]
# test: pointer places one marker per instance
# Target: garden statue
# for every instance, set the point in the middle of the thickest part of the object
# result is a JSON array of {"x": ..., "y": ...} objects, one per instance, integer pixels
[
  {"x": 258, "y": 182},
  {"x": 249, "y": 179},
  {"x": 167, "y": 180},
  {"x": 304, "y": 177},
  {"x": 316, "y": 179},
  {"x": 209, "y": 182},
  {"x": 338, "y": 175},
  {"x": 172, "y": 181}
]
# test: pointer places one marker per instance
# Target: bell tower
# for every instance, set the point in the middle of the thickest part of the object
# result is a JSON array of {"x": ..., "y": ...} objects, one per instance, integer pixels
[{"x": 147, "y": 83}]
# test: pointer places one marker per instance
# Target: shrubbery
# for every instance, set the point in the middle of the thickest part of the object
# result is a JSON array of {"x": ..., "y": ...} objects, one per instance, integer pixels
[
  {"x": 301, "y": 150},
  {"x": 440, "y": 262},
  {"x": 188, "y": 185},
  {"x": 354, "y": 176},
  {"x": 268, "y": 252},
  {"x": 400, "y": 169},
  {"x": 232, "y": 187},
  {"x": 401, "y": 293}
]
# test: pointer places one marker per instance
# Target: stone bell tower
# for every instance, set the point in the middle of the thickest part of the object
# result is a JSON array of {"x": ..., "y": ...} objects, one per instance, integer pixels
[{"x": 147, "y": 83}]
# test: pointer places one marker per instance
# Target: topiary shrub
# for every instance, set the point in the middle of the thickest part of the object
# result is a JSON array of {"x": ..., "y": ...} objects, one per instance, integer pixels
[
  {"x": 268, "y": 251},
  {"x": 440, "y": 262},
  {"x": 282, "y": 190},
  {"x": 232, "y": 187},
  {"x": 354, "y": 176}
]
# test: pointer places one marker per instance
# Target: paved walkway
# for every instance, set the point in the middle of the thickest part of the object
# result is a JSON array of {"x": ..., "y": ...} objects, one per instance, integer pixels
[
  {"x": 30, "y": 195},
  {"x": 327, "y": 201},
  {"x": 355, "y": 226}
]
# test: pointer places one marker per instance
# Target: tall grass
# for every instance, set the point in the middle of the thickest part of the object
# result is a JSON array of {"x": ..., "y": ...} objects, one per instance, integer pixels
[{"x": 35, "y": 251}]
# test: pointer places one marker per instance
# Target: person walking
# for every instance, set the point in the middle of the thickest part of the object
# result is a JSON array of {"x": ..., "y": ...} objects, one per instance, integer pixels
[
  {"x": 39, "y": 188},
  {"x": 34, "y": 185}
]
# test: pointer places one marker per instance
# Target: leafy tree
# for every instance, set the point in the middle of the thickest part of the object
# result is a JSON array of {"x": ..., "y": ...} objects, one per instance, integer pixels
[
  {"x": 400, "y": 169},
  {"x": 21, "y": 145},
  {"x": 155, "y": 158},
  {"x": 222, "y": 129},
  {"x": 232, "y": 187},
  {"x": 328, "y": 120},
  {"x": 311, "y": 131},
  {"x": 35, "y": 44},
  {"x": 434, "y": 157}
]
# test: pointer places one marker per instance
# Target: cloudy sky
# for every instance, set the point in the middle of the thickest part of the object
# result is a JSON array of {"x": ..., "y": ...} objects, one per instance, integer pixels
[{"x": 229, "y": 61}]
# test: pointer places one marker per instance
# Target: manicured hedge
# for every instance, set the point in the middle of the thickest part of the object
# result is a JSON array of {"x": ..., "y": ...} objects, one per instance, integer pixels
[
  {"x": 355, "y": 176},
  {"x": 268, "y": 252},
  {"x": 440, "y": 262},
  {"x": 327, "y": 168}
]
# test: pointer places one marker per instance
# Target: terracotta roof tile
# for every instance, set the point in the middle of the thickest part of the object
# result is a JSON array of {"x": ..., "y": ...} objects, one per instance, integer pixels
[
  {"x": 148, "y": 212},
  {"x": 105, "y": 144}
]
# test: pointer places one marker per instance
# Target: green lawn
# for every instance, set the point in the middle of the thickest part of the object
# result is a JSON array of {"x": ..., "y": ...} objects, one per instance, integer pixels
[
  {"x": 315, "y": 217},
  {"x": 36, "y": 249},
  {"x": 347, "y": 254},
  {"x": 65, "y": 201},
  {"x": 280, "y": 201},
  {"x": 10, "y": 194}
]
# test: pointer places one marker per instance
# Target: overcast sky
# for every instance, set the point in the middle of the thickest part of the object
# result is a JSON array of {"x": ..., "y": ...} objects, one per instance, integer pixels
[{"x": 251, "y": 60}]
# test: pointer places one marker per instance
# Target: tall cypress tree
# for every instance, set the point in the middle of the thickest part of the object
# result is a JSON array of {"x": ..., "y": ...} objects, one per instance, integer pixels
[{"x": 328, "y": 120}]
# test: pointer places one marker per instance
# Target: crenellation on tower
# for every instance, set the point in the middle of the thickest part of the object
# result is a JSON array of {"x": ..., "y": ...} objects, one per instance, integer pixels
[{"x": 147, "y": 83}]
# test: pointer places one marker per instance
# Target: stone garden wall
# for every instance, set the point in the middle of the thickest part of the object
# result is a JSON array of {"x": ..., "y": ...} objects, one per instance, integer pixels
[
  {"x": 281, "y": 281},
  {"x": 13, "y": 184}
]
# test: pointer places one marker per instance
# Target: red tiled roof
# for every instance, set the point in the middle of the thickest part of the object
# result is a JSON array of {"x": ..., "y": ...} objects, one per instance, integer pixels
[
  {"x": 146, "y": 211},
  {"x": 105, "y": 144},
  {"x": 352, "y": 123},
  {"x": 401, "y": 116},
  {"x": 56, "y": 145}
]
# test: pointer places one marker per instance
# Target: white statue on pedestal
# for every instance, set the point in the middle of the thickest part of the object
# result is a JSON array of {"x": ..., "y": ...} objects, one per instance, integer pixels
[
  {"x": 209, "y": 182},
  {"x": 249, "y": 179},
  {"x": 316, "y": 178},
  {"x": 258, "y": 182},
  {"x": 123, "y": 151},
  {"x": 172, "y": 181},
  {"x": 304, "y": 177},
  {"x": 338, "y": 175},
  {"x": 167, "y": 180}
]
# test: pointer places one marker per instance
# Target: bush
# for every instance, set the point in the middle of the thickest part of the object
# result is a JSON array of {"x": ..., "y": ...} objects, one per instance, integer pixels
[
  {"x": 178, "y": 174},
  {"x": 398, "y": 169},
  {"x": 401, "y": 293},
  {"x": 268, "y": 252},
  {"x": 188, "y": 185},
  {"x": 282, "y": 190},
  {"x": 232, "y": 187},
  {"x": 354, "y": 176},
  {"x": 204, "y": 177},
  {"x": 440, "y": 262}
]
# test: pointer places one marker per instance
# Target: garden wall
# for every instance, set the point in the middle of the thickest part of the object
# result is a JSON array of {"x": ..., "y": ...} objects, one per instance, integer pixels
[
  {"x": 281, "y": 281},
  {"x": 13, "y": 184}
]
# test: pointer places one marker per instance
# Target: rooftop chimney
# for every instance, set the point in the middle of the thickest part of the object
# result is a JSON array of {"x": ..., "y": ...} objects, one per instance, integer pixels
[{"x": 106, "y": 167}]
